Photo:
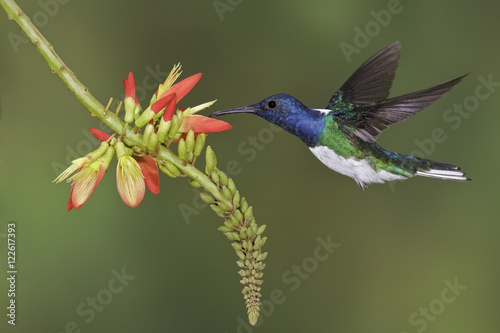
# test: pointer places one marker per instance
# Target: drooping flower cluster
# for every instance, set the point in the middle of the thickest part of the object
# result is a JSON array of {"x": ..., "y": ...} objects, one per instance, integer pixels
[{"x": 162, "y": 123}]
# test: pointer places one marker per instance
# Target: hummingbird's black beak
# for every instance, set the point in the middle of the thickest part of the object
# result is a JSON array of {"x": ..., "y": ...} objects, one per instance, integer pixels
[{"x": 244, "y": 109}]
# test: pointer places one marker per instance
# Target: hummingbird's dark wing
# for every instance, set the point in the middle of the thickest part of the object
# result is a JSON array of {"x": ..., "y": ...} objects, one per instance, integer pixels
[
  {"x": 369, "y": 121},
  {"x": 370, "y": 83}
]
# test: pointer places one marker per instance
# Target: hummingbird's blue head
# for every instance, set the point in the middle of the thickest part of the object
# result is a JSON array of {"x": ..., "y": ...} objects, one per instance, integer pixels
[{"x": 288, "y": 113}]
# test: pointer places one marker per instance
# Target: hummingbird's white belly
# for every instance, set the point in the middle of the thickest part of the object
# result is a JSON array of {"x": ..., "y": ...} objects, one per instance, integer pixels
[{"x": 359, "y": 170}]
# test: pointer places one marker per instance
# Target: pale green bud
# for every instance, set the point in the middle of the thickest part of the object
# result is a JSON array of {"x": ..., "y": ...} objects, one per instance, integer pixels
[
  {"x": 236, "y": 197},
  {"x": 262, "y": 256},
  {"x": 163, "y": 130},
  {"x": 231, "y": 186},
  {"x": 190, "y": 141},
  {"x": 215, "y": 177},
  {"x": 236, "y": 246},
  {"x": 224, "y": 229},
  {"x": 225, "y": 206},
  {"x": 223, "y": 178},
  {"x": 129, "y": 109},
  {"x": 243, "y": 204},
  {"x": 147, "y": 133},
  {"x": 153, "y": 141},
  {"x": 248, "y": 213},
  {"x": 199, "y": 144},
  {"x": 174, "y": 127},
  {"x": 261, "y": 229},
  {"x": 194, "y": 183},
  {"x": 207, "y": 198},
  {"x": 182, "y": 149},
  {"x": 211, "y": 160},
  {"x": 226, "y": 193}
]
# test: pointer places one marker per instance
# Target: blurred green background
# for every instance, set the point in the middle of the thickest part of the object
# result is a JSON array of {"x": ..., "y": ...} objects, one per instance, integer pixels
[{"x": 401, "y": 246}]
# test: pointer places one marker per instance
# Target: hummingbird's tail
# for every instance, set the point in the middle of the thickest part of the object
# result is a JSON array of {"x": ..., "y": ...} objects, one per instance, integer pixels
[{"x": 433, "y": 169}]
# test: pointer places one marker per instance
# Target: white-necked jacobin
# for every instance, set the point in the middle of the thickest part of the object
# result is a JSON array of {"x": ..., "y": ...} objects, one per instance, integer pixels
[{"x": 343, "y": 135}]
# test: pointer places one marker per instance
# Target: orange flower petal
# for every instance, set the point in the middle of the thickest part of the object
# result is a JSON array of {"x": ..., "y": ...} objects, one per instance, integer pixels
[
  {"x": 129, "y": 87},
  {"x": 182, "y": 88},
  {"x": 162, "y": 102},
  {"x": 100, "y": 135},
  {"x": 130, "y": 181},
  {"x": 202, "y": 124},
  {"x": 82, "y": 188},
  {"x": 150, "y": 171}
]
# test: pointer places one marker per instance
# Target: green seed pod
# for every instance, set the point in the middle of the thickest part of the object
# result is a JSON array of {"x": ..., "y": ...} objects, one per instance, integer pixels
[
  {"x": 211, "y": 160},
  {"x": 242, "y": 272},
  {"x": 236, "y": 237},
  {"x": 207, "y": 198},
  {"x": 240, "y": 263},
  {"x": 182, "y": 149},
  {"x": 229, "y": 235},
  {"x": 190, "y": 141},
  {"x": 261, "y": 229},
  {"x": 199, "y": 144},
  {"x": 223, "y": 178},
  {"x": 194, "y": 183},
  {"x": 255, "y": 254},
  {"x": 250, "y": 246},
  {"x": 224, "y": 229},
  {"x": 231, "y": 186}
]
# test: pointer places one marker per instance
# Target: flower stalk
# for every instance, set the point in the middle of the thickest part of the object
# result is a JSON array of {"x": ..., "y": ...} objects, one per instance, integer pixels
[{"x": 142, "y": 142}]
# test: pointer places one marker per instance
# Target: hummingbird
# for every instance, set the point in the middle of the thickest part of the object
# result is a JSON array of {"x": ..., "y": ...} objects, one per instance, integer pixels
[{"x": 342, "y": 136}]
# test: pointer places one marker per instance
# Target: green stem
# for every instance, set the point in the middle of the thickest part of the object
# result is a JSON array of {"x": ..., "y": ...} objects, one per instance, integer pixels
[{"x": 81, "y": 92}]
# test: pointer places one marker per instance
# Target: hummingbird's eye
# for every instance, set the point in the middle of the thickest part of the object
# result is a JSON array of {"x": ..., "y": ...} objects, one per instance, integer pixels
[{"x": 271, "y": 104}]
